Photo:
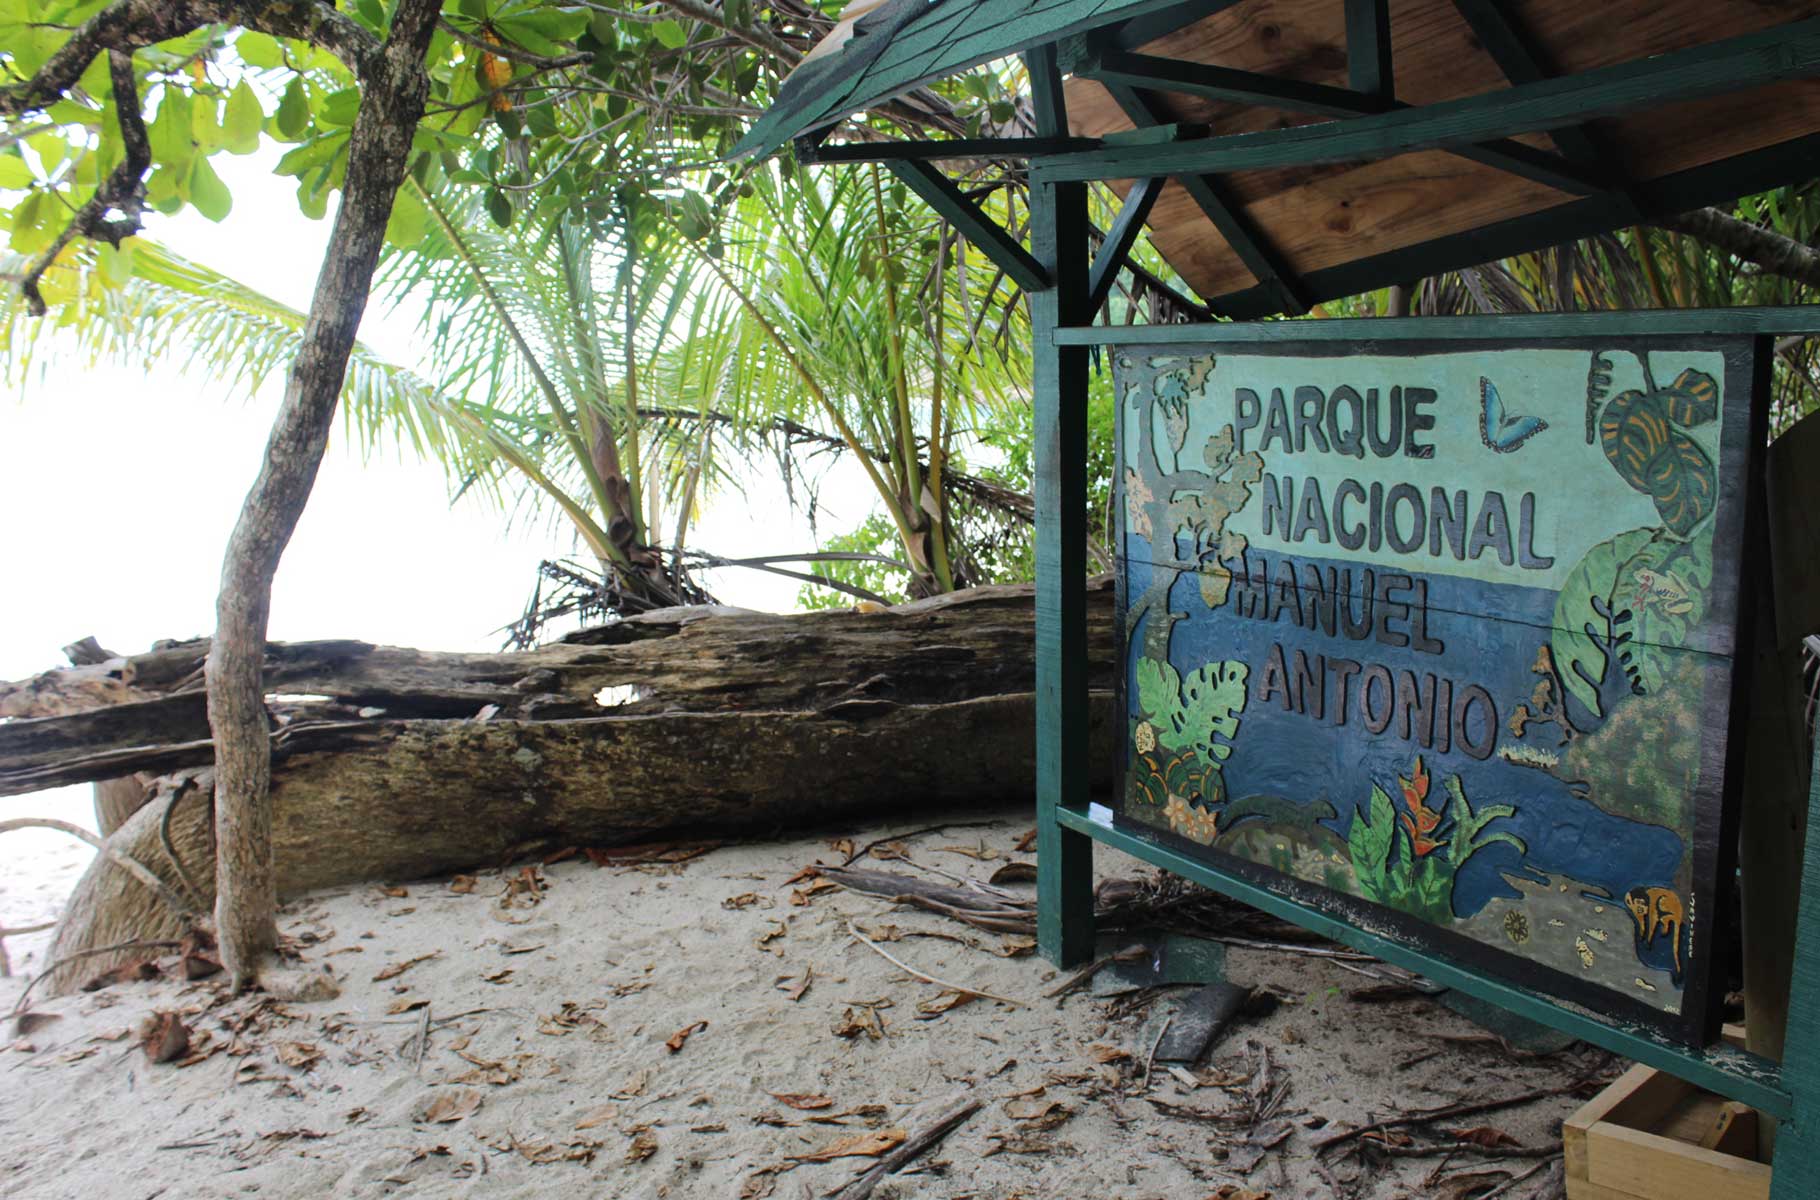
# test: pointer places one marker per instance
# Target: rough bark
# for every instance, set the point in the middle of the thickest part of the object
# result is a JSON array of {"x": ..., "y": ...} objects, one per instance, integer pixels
[
  {"x": 743, "y": 723},
  {"x": 1774, "y": 253},
  {"x": 949, "y": 648},
  {"x": 394, "y": 87}
]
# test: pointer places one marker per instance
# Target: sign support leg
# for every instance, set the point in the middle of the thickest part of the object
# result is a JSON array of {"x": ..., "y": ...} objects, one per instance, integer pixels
[{"x": 1064, "y": 856}]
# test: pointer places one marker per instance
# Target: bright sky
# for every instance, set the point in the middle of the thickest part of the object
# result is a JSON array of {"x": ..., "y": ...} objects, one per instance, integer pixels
[{"x": 122, "y": 487}]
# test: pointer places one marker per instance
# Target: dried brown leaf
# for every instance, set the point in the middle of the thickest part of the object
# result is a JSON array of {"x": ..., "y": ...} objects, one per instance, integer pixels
[
  {"x": 399, "y": 968},
  {"x": 165, "y": 1037},
  {"x": 596, "y": 1117},
  {"x": 1483, "y": 1135},
  {"x": 743, "y": 900},
  {"x": 793, "y": 987},
  {"x": 777, "y": 930},
  {"x": 499, "y": 976},
  {"x": 803, "y": 1100},
  {"x": 301, "y": 1055},
  {"x": 977, "y": 853},
  {"x": 451, "y": 1106},
  {"x": 644, "y": 1145},
  {"x": 463, "y": 885},
  {"x": 1027, "y": 843},
  {"x": 681, "y": 1036},
  {"x": 869, "y": 1144},
  {"x": 396, "y": 893},
  {"x": 405, "y": 1004},
  {"x": 1014, "y": 872},
  {"x": 943, "y": 1002}
]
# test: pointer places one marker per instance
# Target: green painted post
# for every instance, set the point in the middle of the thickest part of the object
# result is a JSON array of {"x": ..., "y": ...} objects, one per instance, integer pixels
[
  {"x": 1064, "y": 857},
  {"x": 1797, "y": 1163}
]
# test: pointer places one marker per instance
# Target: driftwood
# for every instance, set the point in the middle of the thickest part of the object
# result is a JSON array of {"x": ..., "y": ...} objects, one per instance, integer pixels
[{"x": 396, "y": 764}]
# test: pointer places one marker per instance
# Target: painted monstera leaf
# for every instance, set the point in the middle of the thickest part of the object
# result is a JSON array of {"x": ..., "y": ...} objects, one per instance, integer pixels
[
  {"x": 1583, "y": 622},
  {"x": 1636, "y": 597},
  {"x": 1191, "y": 714}
]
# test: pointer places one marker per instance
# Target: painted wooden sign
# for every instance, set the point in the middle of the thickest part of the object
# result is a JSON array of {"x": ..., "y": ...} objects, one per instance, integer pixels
[{"x": 1440, "y": 639}]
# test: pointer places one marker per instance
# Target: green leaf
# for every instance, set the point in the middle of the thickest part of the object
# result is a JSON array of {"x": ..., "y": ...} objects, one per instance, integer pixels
[
  {"x": 163, "y": 191},
  {"x": 319, "y": 150},
  {"x": 50, "y": 148},
  {"x": 339, "y": 108},
  {"x": 14, "y": 173},
  {"x": 26, "y": 237},
  {"x": 205, "y": 128},
  {"x": 210, "y": 196},
  {"x": 408, "y": 222},
  {"x": 259, "y": 50},
  {"x": 169, "y": 132},
  {"x": 522, "y": 32},
  {"x": 293, "y": 117},
  {"x": 670, "y": 34},
  {"x": 245, "y": 120},
  {"x": 499, "y": 207}
]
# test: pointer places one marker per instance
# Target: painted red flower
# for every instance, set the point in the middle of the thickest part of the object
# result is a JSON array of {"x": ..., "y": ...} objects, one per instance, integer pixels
[{"x": 1420, "y": 820}]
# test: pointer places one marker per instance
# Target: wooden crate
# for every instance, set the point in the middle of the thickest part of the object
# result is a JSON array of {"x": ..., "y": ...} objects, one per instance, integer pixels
[{"x": 1650, "y": 1136}]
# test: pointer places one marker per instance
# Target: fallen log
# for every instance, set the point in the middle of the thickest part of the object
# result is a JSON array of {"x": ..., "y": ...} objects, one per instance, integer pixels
[
  {"x": 147, "y": 712},
  {"x": 723, "y": 724}
]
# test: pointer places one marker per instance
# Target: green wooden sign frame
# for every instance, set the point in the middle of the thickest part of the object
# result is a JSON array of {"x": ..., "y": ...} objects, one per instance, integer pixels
[{"x": 1068, "y": 822}]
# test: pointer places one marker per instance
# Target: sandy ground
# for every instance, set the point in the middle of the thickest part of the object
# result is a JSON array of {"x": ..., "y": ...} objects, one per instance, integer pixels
[{"x": 711, "y": 1028}]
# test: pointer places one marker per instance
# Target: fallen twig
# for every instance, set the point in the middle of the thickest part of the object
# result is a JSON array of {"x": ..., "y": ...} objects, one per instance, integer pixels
[
  {"x": 926, "y": 1139},
  {"x": 1505, "y": 1187},
  {"x": 1150, "y": 1059},
  {"x": 900, "y": 837},
  {"x": 19, "y": 1005},
  {"x": 1449, "y": 1111},
  {"x": 927, "y": 978}
]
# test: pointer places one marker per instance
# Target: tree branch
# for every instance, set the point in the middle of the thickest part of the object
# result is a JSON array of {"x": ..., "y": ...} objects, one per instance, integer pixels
[
  {"x": 1779, "y": 255},
  {"x": 123, "y": 193}
]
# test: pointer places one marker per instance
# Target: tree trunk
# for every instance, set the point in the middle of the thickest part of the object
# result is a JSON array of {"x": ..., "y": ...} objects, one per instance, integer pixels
[
  {"x": 714, "y": 724},
  {"x": 393, "y": 89}
]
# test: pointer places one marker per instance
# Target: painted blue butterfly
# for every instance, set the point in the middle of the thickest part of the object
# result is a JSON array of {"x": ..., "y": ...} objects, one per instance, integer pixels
[{"x": 1497, "y": 429}]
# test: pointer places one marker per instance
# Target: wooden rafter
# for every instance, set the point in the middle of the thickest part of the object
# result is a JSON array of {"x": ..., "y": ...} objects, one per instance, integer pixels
[
  {"x": 1215, "y": 200},
  {"x": 1775, "y": 55},
  {"x": 939, "y": 193},
  {"x": 1123, "y": 235},
  {"x": 1368, "y": 60}
]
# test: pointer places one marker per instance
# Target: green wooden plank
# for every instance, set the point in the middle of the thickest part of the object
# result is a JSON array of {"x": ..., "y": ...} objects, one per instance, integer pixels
[
  {"x": 940, "y": 149},
  {"x": 1064, "y": 858},
  {"x": 1777, "y": 320},
  {"x": 1113, "y": 67},
  {"x": 1790, "y": 51},
  {"x": 1120, "y": 238},
  {"x": 940, "y": 194},
  {"x": 1046, "y": 97},
  {"x": 1368, "y": 61},
  {"x": 1797, "y": 1166},
  {"x": 1110, "y": 65},
  {"x": 1722, "y": 1068}
]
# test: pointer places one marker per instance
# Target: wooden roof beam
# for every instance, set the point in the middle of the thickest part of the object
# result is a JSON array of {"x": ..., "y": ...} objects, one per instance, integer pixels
[
  {"x": 1368, "y": 62},
  {"x": 1786, "y": 52},
  {"x": 1108, "y": 66},
  {"x": 942, "y": 149},
  {"x": 1116, "y": 248},
  {"x": 939, "y": 193},
  {"x": 1211, "y": 194}
]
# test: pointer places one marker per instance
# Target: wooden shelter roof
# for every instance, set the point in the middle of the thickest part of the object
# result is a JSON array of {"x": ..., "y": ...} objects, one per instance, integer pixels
[{"x": 1307, "y": 149}]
